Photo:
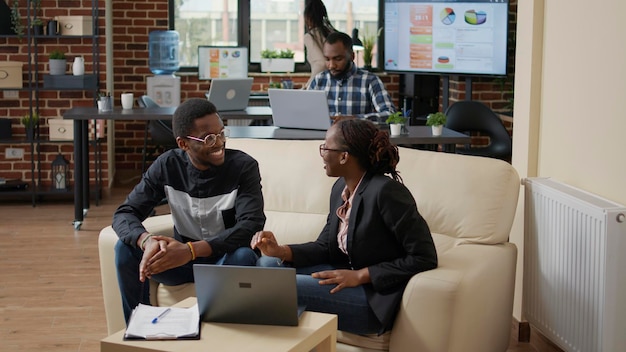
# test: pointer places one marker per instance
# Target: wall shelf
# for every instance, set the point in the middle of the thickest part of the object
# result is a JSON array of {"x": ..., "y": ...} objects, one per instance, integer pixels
[{"x": 36, "y": 82}]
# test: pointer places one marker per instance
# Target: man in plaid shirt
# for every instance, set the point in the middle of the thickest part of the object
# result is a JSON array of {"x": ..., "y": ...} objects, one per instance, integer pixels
[{"x": 350, "y": 90}]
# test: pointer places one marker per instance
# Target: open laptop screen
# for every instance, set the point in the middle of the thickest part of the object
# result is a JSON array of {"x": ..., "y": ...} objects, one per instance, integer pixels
[
  {"x": 246, "y": 294},
  {"x": 230, "y": 94},
  {"x": 297, "y": 108}
]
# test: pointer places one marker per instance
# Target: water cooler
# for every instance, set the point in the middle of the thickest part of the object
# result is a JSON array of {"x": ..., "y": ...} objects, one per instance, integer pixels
[{"x": 164, "y": 87}]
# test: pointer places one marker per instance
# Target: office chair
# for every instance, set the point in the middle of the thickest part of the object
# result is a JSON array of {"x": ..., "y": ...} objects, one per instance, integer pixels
[
  {"x": 473, "y": 116},
  {"x": 160, "y": 132}
]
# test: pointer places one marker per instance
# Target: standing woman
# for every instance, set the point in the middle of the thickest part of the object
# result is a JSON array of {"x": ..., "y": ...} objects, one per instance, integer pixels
[
  {"x": 374, "y": 239},
  {"x": 318, "y": 28}
]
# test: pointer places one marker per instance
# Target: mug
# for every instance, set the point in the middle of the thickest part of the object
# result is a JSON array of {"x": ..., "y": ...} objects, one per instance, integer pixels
[{"x": 127, "y": 100}]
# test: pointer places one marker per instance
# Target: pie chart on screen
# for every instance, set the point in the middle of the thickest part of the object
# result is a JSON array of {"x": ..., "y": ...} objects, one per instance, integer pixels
[
  {"x": 447, "y": 16},
  {"x": 475, "y": 17}
]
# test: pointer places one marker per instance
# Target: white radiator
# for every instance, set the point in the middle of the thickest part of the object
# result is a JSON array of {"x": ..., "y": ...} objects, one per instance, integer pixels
[{"x": 574, "y": 267}]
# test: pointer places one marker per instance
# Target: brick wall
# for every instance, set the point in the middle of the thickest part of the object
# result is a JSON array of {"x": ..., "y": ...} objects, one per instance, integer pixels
[
  {"x": 133, "y": 20},
  {"x": 51, "y": 104}
]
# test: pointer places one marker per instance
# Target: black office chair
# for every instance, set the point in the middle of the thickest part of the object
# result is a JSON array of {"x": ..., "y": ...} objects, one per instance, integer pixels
[
  {"x": 160, "y": 131},
  {"x": 472, "y": 116}
]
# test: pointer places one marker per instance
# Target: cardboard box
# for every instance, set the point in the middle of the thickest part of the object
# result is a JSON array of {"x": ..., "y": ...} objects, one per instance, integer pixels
[
  {"x": 69, "y": 82},
  {"x": 75, "y": 25},
  {"x": 61, "y": 130},
  {"x": 11, "y": 74}
]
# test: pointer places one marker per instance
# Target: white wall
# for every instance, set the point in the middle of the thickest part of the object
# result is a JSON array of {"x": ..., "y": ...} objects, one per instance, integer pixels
[{"x": 570, "y": 100}]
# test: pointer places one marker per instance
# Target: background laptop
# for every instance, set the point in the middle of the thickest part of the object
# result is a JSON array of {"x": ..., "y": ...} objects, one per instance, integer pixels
[
  {"x": 298, "y": 108},
  {"x": 229, "y": 94},
  {"x": 247, "y": 294}
]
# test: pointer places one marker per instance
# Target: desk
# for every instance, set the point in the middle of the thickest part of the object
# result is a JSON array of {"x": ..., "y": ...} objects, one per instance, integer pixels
[
  {"x": 315, "y": 331},
  {"x": 160, "y": 113},
  {"x": 417, "y": 135},
  {"x": 81, "y": 117}
]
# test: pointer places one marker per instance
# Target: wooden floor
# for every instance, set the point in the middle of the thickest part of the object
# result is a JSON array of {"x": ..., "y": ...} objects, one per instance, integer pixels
[{"x": 50, "y": 290}]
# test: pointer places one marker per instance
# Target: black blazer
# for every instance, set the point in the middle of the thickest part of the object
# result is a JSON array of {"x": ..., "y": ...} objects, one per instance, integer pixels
[{"x": 386, "y": 233}]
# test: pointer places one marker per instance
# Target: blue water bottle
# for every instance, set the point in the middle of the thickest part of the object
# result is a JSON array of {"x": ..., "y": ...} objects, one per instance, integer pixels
[{"x": 163, "y": 47}]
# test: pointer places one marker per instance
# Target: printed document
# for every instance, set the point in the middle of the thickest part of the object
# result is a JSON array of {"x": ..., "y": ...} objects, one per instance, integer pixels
[{"x": 163, "y": 323}]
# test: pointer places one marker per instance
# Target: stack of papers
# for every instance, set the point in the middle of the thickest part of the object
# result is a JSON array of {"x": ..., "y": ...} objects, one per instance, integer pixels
[{"x": 163, "y": 323}]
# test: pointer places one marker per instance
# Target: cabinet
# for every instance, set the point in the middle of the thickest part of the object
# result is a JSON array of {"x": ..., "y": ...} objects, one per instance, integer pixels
[{"x": 35, "y": 93}]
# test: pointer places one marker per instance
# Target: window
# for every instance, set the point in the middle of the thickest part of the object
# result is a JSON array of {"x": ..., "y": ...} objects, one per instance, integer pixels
[{"x": 261, "y": 24}]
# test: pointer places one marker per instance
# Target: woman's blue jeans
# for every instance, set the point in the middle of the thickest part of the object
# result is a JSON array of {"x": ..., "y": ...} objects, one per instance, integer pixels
[
  {"x": 350, "y": 304},
  {"x": 127, "y": 259}
]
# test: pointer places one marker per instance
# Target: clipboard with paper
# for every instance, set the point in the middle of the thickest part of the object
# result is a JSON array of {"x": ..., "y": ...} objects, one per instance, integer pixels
[{"x": 177, "y": 323}]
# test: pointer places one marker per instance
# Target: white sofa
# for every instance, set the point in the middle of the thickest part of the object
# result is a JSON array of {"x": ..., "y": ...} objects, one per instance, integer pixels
[{"x": 469, "y": 203}]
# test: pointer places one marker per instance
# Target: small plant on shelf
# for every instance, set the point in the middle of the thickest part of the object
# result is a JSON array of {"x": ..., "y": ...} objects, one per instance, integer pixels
[
  {"x": 16, "y": 20},
  {"x": 57, "y": 62},
  {"x": 277, "y": 61},
  {"x": 30, "y": 121},
  {"x": 436, "y": 119},
  {"x": 269, "y": 54},
  {"x": 57, "y": 54},
  {"x": 274, "y": 54},
  {"x": 37, "y": 25},
  {"x": 286, "y": 54}
]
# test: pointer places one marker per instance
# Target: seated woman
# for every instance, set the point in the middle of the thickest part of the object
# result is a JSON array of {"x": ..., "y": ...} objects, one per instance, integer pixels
[{"x": 361, "y": 262}]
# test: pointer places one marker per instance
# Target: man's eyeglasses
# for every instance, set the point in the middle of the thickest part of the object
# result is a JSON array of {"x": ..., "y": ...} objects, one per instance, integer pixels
[
  {"x": 323, "y": 150},
  {"x": 211, "y": 139}
]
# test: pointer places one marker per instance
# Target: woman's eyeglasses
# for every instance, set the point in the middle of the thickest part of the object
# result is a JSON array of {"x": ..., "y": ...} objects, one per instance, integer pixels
[
  {"x": 211, "y": 139},
  {"x": 323, "y": 150}
]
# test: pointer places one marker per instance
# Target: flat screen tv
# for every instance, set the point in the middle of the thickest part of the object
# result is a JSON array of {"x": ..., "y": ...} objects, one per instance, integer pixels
[
  {"x": 222, "y": 62},
  {"x": 465, "y": 37}
]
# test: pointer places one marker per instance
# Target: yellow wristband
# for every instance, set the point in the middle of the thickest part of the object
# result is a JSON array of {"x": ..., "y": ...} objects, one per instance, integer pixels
[
  {"x": 143, "y": 242},
  {"x": 193, "y": 253}
]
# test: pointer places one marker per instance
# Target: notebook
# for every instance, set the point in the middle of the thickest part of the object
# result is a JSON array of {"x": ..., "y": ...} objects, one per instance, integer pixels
[
  {"x": 230, "y": 94},
  {"x": 297, "y": 108},
  {"x": 247, "y": 294}
]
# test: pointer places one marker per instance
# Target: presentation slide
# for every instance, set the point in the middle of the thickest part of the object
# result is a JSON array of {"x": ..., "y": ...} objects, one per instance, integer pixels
[
  {"x": 222, "y": 62},
  {"x": 446, "y": 37}
]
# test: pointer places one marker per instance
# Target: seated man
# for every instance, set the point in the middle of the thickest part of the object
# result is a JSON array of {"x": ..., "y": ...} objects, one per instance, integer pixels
[
  {"x": 350, "y": 90},
  {"x": 216, "y": 202}
]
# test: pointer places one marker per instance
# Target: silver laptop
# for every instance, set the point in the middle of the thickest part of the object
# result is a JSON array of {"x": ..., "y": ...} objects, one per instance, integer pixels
[
  {"x": 297, "y": 108},
  {"x": 247, "y": 294},
  {"x": 230, "y": 94}
]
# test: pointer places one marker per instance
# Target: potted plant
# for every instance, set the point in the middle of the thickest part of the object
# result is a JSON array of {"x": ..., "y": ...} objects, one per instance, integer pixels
[
  {"x": 104, "y": 101},
  {"x": 37, "y": 25},
  {"x": 368, "y": 47},
  {"x": 58, "y": 62},
  {"x": 16, "y": 20},
  {"x": 436, "y": 121},
  {"x": 396, "y": 121},
  {"x": 30, "y": 122},
  {"x": 277, "y": 61}
]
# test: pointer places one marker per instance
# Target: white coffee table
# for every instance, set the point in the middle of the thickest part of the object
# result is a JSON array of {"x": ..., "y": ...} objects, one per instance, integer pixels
[{"x": 315, "y": 330}]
